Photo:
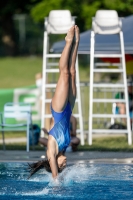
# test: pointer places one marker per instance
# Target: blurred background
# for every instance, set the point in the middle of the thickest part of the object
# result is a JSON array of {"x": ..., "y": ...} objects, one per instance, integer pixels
[
  {"x": 21, "y": 46},
  {"x": 22, "y": 22}
]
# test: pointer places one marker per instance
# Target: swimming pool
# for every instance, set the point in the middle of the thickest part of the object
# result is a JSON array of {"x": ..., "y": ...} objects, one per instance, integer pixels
[{"x": 77, "y": 181}]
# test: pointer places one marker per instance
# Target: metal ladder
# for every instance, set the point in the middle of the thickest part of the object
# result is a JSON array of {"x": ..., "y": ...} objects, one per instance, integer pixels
[
  {"x": 58, "y": 22},
  {"x": 107, "y": 22}
]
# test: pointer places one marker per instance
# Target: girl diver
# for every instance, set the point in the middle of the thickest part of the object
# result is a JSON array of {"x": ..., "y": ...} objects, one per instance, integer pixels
[{"x": 61, "y": 108}]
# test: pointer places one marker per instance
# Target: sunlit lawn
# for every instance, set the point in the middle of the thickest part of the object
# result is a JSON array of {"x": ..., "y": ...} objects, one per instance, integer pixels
[{"x": 20, "y": 71}]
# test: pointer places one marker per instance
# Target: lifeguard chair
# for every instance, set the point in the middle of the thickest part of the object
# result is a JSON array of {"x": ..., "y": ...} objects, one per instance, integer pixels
[
  {"x": 107, "y": 22},
  {"x": 58, "y": 22}
]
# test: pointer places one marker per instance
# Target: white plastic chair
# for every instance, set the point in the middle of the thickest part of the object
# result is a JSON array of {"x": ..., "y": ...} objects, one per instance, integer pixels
[
  {"x": 59, "y": 21},
  {"x": 106, "y": 22},
  {"x": 13, "y": 111}
]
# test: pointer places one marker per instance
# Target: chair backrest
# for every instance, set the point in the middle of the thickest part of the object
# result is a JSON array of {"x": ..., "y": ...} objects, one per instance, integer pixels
[
  {"x": 106, "y": 22},
  {"x": 59, "y": 21},
  {"x": 17, "y": 110}
]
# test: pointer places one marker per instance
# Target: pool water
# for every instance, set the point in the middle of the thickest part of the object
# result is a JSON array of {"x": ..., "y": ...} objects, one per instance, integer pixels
[{"x": 78, "y": 181}]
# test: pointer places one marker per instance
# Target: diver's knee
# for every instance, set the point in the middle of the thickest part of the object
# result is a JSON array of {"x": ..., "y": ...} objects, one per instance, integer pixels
[{"x": 73, "y": 72}]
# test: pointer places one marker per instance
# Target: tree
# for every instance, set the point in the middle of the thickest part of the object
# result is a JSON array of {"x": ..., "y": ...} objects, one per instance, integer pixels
[
  {"x": 84, "y": 10},
  {"x": 89, "y": 8},
  {"x": 7, "y": 10}
]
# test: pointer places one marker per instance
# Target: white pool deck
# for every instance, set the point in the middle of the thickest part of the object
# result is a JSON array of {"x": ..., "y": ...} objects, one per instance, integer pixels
[{"x": 72, "y": 157}]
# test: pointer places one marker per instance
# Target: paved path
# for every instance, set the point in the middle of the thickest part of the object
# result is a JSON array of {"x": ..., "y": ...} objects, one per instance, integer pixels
[{"x": 13, "y": 140}]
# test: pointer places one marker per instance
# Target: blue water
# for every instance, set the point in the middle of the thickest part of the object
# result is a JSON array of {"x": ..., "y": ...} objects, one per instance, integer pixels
[{"x": 79, "y": 181}]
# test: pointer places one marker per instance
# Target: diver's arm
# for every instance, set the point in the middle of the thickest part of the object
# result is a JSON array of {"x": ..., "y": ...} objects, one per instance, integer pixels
[{"x": 51, "y": 154}]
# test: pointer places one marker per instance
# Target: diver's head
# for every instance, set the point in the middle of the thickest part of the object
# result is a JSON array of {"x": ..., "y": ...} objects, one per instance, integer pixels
[{"x": 61, "y": 162}]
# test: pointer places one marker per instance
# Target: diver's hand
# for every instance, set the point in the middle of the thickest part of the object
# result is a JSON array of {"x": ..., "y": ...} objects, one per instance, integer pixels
[{"x": 54, "y": 182}]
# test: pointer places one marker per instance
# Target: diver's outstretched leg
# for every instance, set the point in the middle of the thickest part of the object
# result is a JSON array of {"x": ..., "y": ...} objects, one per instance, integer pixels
[
  {"x": 60, "y": 97},
  {"x": 72, "y": 70}
]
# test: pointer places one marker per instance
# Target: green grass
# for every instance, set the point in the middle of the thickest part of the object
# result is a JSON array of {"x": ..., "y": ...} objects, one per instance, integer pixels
[
  {"x": 19, "y": 71},
  {"x": 99, "y": 144},
  {"x": 108, "y": 144},
  {"x": 21, "y": 146}
]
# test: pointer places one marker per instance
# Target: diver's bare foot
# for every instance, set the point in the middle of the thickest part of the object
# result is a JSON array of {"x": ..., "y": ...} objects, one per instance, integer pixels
[
  {"x": 70, "y": 35},
  {"x": 77, "y": 36}
]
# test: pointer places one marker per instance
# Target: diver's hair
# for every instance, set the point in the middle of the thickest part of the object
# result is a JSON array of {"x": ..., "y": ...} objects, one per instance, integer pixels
[{"x": 34, "y": 167}]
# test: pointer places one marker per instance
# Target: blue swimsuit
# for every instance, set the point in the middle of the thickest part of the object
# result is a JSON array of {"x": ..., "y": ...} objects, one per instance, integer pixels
[{"x": 61, "y": 128}]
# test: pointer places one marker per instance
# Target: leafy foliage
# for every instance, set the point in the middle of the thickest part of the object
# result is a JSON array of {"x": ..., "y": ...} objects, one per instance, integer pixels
[
  {"x": 39, "y": 9},
  {"x": 84, "y": 10}
]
